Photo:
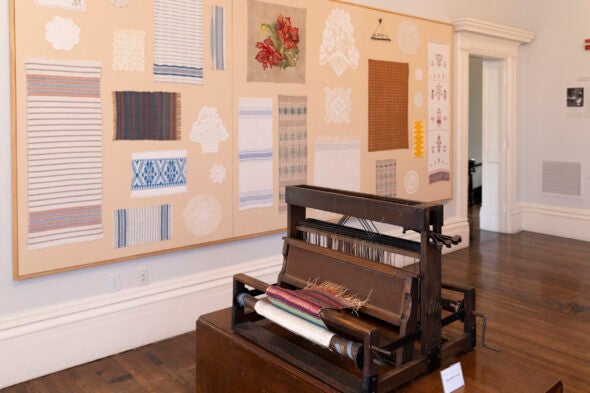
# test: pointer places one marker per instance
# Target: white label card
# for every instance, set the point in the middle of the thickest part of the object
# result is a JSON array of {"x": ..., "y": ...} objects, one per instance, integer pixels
[{"x": 452, "y": 378}]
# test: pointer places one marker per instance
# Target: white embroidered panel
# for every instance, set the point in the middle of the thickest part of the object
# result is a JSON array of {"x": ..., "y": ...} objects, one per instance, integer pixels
[
  {"x": 120, "y": 3},
  {"x": 337, "y": 105},
  {"x": 128, "y": 50},
  {"x": 209, "y": 130},
  {"x": 338, "y": 47},
  {"x": 76, "y": 5},
  {"x": 439, "y": 155},
  {"x": 408, "y": 38},
  {"x": 338, "y": 163}
]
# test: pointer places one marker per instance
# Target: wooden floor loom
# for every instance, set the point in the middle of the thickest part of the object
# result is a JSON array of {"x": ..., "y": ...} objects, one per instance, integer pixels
[{"x": 396, "y": 335}]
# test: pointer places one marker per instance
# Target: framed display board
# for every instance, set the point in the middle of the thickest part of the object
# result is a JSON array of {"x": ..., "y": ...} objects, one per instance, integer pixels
[{"x": 145, "y": 127}]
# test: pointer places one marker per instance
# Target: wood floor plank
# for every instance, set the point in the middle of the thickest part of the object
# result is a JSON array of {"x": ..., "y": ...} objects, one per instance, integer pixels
[{"x": 535, "y": 290}]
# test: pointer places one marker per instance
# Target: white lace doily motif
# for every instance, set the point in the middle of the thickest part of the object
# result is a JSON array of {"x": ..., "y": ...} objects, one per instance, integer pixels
[
  {"x": 128, "y": 50},
  {"x": 338, "y": 43},
  {"x": 418, "y": 74},
  {"x": 418, "y": 99},
  {"x": 217, "y": 173},
  {"x": 408, "y": 38},
  {"x": 209, "y": 130},
  {"x": 202, "y": 215},
  {"x": 62, "y": 33},
  {"x": 411, "y": 182},
  {"x": 337, "y": 104}
]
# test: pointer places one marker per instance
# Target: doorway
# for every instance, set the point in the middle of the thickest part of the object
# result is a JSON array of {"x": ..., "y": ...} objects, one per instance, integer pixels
[
  {"x": 498, "y": 47},
  {"x": 484, "y": 151}
]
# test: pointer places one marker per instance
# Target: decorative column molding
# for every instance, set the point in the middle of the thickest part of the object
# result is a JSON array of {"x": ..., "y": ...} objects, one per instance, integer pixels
[{"x": 496, "y": 43}]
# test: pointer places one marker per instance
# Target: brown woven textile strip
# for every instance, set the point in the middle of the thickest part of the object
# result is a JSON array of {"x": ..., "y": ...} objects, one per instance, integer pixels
[
  {"x": 146, "y": 115},
  {"x": 388, "y": 105}
]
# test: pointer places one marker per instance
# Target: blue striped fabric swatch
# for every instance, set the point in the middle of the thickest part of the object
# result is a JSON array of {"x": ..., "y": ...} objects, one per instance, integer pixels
[
  {"x": 142, "y": 225},
  {"x": 255, "y": 153},
  {"x": 218, "y": 35}
]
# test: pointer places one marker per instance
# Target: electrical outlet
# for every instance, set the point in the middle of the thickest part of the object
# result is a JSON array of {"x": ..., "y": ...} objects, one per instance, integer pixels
[
  {"x": 143, "y": 277},
  {"x": 114, "y": 282}
]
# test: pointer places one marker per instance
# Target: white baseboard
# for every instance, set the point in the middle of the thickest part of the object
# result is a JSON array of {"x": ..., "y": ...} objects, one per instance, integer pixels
[
  {"x": 39, "y": 342},
  {"x": 556, "y": 221}
]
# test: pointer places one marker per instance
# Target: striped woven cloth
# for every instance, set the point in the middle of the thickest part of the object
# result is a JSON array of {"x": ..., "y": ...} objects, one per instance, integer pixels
[
  {"x": 64, "y": 151},
  {"x": 255, "y": 153},
  {"x": 309, "y": 302},
  {"x": 146, "y": 115},
  {"x": 178, "y": 36}
]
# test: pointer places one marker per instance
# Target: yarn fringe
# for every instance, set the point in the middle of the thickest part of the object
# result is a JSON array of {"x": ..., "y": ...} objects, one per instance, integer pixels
[{"x": 339, "y": 292}]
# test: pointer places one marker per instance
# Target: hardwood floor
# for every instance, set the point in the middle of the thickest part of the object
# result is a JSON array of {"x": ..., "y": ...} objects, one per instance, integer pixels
[{"x": 535, "y": 290}]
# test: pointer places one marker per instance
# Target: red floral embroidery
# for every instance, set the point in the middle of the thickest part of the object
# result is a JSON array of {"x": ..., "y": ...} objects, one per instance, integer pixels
[
  {"x": 280, "y": 47},
  {"x": 288, "y": 34},
  {"x": 268, "y": 55}
]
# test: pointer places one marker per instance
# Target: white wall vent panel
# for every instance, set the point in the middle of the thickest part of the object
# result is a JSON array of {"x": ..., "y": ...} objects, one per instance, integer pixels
[{"x": 561, "y": 178}]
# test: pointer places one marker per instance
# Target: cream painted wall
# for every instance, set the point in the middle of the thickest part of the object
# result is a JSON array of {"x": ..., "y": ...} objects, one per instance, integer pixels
[{"x": 554, "y": 61}]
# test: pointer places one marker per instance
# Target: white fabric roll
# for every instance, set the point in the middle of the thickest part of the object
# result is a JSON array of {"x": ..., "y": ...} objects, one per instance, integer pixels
[{"x": 294, "y": 324}]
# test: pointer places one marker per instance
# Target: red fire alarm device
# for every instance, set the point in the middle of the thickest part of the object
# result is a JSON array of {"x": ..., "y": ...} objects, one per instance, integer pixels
[{"x": 587, "y": 44}]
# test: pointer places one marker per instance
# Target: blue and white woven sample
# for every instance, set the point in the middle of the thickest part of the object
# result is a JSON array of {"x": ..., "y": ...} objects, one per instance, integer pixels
[
  {"x": 255, "y": 153},
  {"x": 158, "y": 173},
  {"x": 218, "y": 34},
  {"x": 178, "y": 36},
  {"x": 142, "y": 225},
  {"x": 64, "y": 151}
]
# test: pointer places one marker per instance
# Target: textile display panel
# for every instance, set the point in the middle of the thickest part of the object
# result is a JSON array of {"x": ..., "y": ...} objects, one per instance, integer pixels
[{"x": 146, "y": 127}]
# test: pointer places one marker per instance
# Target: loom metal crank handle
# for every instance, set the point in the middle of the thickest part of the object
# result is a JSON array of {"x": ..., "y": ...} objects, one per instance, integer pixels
[{"x": 483, "y": 331}]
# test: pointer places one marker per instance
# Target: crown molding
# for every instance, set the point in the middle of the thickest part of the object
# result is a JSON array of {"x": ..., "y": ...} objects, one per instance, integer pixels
[{"x": 493, "y": 30}]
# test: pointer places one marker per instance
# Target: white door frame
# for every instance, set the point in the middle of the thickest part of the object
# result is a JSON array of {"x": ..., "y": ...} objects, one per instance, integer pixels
[{"x": 501, "y": 44}]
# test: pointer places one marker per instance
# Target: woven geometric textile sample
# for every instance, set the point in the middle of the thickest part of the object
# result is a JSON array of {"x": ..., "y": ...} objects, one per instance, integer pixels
[
  {"x": 64, "y": 147},
  {"x": 142, "y": 225},
  {"x": 158, "y": 173},
  {"x": 386, "y": 178},
  {"x": 178, "y": 36},
  {"x": 255, "y": 153},
  {"x": 292, "y": 144},
  {"x": 439, "y": 96},
  {"x": 218, "y": 35},
  {"x": 388, "y": 105},
  {"x": 146, "y": 115},
  {"x": 337, "y": 105}
]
